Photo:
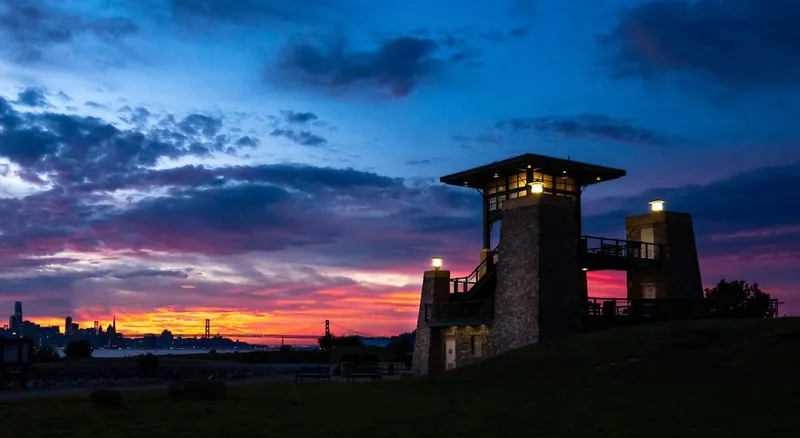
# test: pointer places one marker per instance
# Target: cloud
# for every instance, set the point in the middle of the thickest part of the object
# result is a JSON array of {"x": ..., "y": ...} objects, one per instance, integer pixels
[
  {"x": 397, "y": 64},
  {"x": 33, "y": 97},
  {"x": 30, "y": 30},
  {"x": 589, "y": 126},
  {"x": 68, "y": 150},
  {"x": 425, "y": 162},
  {"x": 304, "y": 138},
  {"x": 298, "y": 118},
  {"x": 736, "y": 42}
]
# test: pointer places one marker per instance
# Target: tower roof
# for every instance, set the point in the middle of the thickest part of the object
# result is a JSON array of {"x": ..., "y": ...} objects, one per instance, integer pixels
[{"x": 583, "y": 173}]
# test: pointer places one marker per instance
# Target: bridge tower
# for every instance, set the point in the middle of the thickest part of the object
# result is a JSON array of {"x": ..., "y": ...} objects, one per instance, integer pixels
[
  {"x": 207, "y": 333},
  {"x": 327, "y": 328}
]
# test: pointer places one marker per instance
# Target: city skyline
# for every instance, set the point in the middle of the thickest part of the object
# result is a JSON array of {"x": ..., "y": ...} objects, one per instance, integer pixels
[{"x": 269, "y": 165}]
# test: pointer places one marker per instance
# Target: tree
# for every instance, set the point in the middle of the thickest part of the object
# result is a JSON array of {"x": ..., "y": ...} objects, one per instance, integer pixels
[
  {"x": 79, "y": 350},
  {"x": 148, "y": 364},
  {"x": 330, "y": 341},
  {"x": 738, "y": 299},
  {"x": 402, "y": 344}
]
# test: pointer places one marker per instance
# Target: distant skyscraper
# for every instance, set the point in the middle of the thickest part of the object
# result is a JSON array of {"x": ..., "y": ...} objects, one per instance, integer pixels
[
  {"x": 15, "y": 322},
  {"x": 68, "y": 326}
]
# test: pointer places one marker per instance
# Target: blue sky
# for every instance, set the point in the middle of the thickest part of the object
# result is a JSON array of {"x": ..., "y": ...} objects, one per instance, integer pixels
[{"x": 692, "y": 98}]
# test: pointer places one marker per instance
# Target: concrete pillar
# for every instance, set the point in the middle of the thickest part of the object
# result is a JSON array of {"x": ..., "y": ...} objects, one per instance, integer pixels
[
  {"x": 678, "y": 274},
  {"x": 538, "y": 288},
  {"x": 429, "y": 342},
  {"x": 485, "y": 253}
]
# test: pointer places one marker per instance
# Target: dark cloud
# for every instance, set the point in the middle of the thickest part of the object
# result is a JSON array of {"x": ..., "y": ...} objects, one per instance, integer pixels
[
  {"x": 425, "y": 162},
  {"x": 304, "y": 138},
  {"x": 735, "y": 42},
  {"x": 591, "y": 126},
  {"x": 92, "y": 104},
  {"x": 298, "y": 118},
  {"x": 242, "y": 209},
  {"x": 200, "y": 124},
  {"x": 70, "y": 150},
  {"x": 33, "y": 97},
  {"x": 149, "y": 273},
  {"x": 31, "y": 28},
  {"x": 397, "y": 64}
]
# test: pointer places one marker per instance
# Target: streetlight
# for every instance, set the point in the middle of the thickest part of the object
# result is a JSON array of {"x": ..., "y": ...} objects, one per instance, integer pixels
[
  {"x": 537, "y": 187},
  {"x": 437, "y": 263},
  {"x": 657, "y": 205}
]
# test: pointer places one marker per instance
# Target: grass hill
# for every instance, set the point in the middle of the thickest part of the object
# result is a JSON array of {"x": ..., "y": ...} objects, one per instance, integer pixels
[{"x": 701, "y": 378}]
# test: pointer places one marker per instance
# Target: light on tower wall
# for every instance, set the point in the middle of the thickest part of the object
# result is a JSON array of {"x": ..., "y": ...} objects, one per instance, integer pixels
[
  {"x": 657, "y": 205},
  {"x": 537, "y": 187},
  {"x": 437, "y": 262}
]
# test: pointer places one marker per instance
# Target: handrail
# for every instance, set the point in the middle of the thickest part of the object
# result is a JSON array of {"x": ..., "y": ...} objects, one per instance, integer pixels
[
  {"x": 607, "y": 246},
  {"x": 479, "y": 310},
  {"x": 464, "y": 284},
  {"x": 694, "y": 307}
]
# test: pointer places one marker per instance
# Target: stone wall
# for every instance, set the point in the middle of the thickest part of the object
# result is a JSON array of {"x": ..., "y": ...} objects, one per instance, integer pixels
[
  {"x": 516, "y": 302},
  {"x": 538, "y": 282},
  {"x": 428, "y": 344},
  {"x": 463, "y": 336}
]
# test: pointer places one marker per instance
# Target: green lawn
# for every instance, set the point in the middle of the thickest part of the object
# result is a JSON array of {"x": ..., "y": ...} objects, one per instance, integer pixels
[{"x": 700, "y": 379}]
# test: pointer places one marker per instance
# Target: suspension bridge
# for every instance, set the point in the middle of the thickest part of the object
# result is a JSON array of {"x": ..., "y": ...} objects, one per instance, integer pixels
[{"x": 303, "y": 333}]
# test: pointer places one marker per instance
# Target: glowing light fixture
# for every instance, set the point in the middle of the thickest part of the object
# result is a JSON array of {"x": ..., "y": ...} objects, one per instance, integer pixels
[
  {"x": 537, "y": 187},
  {"x": 437, "y": 262},
  {"x": 496, "y": 175},
  {"x": 584, "y": 269},
  {"x": 598, "y": 178},
  {"x": 657, "y": 205}
]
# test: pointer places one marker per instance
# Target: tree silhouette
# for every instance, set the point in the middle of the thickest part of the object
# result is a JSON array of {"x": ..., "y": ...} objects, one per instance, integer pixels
[
  {"x": 79, "y": 350},
  {"x": 738, "y": 299},
  {"x": 329, "y": 341}
]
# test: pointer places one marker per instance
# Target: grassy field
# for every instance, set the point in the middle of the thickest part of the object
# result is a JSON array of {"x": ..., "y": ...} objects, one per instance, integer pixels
[{"x": 699, "y": 379}]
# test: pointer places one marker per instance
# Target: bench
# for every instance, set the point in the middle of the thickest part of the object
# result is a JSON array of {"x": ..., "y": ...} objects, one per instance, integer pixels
[
  {"x": 353, "y": 371},
  {"x": 311, "y": 372}
]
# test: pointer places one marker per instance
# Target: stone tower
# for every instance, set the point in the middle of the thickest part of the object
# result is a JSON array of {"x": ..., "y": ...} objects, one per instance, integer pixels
[{"x": 677, "y": 275}]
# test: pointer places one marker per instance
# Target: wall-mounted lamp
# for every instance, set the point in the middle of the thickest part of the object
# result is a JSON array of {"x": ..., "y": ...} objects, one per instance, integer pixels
[
  {"x": 584, "y": 269},
  {"x": 657, "y": 205},
  {"x": 437, "y": 262},
  {"x": 537, "y": 187}
]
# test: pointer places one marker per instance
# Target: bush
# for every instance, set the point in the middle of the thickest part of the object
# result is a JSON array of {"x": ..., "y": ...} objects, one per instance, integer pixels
[
  {"x": 45, "y": 354},
  {"x": 148, "y": 364},
  {"x": 78, "y": 350}
]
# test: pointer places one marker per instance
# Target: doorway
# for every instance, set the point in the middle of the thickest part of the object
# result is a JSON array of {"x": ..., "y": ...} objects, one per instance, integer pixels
[{"x": 450, "y": 352}]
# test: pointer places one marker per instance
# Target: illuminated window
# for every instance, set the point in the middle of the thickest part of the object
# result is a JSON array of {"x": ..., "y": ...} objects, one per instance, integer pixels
[{"x": 516, "y": 181}]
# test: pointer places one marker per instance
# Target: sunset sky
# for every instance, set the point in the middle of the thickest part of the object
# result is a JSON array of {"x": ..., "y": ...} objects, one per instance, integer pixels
[{"x": 270, "y": 164}]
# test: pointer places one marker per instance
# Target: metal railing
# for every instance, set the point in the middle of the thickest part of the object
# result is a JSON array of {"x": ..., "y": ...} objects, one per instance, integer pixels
[
  {"x": 482, "y": 310},
  {"x": 676, "y": 308},
  {"x": 464, "y": 284},
  {"x": 619, "y": 248}
]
